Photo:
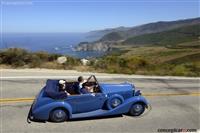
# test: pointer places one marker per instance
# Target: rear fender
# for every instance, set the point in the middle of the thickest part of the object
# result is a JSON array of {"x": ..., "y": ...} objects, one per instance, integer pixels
[{"x": 42, "y": 113}]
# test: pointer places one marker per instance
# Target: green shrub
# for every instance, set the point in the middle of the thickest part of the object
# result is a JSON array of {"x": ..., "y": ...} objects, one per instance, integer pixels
[
  {"x": 179, "y": 70},
  {"x": 72, "y": 62},
  {"x": 42, "y": 55},
  {"x": 35, "y": 61},
  {"x": 116, "y": 64},
  {"x": 14, "y": 56},
  {"x": 17, "y": 57}
]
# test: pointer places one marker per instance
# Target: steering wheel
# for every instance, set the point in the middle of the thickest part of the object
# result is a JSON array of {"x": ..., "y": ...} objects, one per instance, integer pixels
[
  {"x": 92, "y": 76},
  {"x": 89, "y": 78},
  {"x": 97, "y": 84}
]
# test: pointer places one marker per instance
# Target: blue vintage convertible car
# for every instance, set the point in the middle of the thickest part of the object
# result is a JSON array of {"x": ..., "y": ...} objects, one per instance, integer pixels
[{"x": 106, "y": 100}]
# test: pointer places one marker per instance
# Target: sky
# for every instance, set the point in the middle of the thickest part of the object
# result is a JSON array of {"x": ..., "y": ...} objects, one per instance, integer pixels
[{"x": 49, "y": 16}]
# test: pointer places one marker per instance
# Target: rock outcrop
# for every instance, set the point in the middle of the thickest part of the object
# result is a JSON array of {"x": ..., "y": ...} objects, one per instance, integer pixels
[{"x": 93, "y": 46}]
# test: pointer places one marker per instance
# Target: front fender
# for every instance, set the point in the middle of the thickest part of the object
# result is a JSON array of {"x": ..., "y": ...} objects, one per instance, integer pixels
[
  {"x": 42, "y": 112},
  {"x": 125, "y": 107},
  {"x": 136, "y": 99}
]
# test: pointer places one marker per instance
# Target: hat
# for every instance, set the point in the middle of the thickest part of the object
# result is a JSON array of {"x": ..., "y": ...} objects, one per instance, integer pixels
[{"x": 62, "y": 81}]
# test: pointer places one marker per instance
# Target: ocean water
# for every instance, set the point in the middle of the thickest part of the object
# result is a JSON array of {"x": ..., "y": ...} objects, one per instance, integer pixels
[{"x": 62, "y": 43}]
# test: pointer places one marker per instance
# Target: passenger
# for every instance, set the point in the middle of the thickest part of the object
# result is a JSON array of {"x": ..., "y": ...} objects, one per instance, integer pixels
[{"x": 62, "y": 86}]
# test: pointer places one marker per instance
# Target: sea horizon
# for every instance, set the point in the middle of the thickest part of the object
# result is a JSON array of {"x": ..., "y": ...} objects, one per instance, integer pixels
[{"x": 51, "y": 42}]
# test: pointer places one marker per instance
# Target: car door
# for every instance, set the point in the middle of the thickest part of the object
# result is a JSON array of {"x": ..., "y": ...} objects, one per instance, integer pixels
[{"x": 86, "y": 102}]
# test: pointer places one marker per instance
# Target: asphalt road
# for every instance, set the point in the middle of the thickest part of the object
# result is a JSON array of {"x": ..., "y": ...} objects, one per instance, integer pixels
[{"x": 168, "y": 111}]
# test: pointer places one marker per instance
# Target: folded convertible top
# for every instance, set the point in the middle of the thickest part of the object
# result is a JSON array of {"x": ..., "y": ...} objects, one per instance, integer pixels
[{"x": 52, "y": 90}]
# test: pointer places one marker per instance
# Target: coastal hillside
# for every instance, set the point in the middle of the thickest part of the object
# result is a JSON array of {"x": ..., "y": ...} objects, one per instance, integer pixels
[
  {"x": 162, "y": 48},
  {"x": 154, "y": 27},
  {"x": 170, "y": 37},
  {"x": 153, "y": 33}
]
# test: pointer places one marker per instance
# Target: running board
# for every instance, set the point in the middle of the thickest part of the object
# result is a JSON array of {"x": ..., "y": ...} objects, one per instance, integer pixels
[{"x": 90, "y": 114}]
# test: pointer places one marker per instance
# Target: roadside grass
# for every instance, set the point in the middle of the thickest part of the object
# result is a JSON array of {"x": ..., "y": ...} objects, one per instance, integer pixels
[
  {"x": 153, "y": 60},
  {"x": 21, "y": 58},
  {"x": 157, "y": 54},
  {"x": 145, "y": 60}
]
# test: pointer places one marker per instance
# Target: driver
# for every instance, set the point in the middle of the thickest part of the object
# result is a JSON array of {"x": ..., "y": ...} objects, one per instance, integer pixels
[{"x": 83, "y": 86}]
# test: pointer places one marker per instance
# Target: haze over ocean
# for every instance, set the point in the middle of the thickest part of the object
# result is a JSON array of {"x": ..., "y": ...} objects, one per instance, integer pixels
[{"x": 62, "y": 43}]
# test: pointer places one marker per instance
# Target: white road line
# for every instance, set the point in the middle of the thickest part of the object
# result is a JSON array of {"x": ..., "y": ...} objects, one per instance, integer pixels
[{"x": 100, "y": 77}]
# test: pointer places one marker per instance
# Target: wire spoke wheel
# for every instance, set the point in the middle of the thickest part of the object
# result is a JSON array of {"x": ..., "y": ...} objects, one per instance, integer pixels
[
  {"x": 58, "y": 115},
  {"x": 116, "y": 102},
  {"x": 137, "y": 109}
]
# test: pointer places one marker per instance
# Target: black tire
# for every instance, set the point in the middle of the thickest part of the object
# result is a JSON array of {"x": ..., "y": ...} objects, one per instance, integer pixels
[
  {"x": 137, "y": 109},
  {"x": 58, "y": 115}
]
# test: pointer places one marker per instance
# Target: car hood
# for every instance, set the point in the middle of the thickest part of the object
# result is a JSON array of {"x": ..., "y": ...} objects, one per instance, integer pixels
[{"x": 116, "y": 88}]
